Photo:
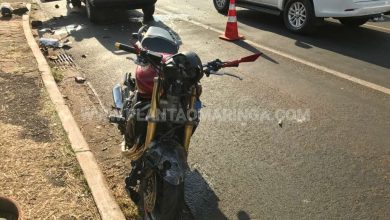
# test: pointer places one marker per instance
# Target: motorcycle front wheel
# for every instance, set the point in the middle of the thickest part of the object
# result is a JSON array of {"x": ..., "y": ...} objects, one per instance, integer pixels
[{"x": 160, "y": 200}]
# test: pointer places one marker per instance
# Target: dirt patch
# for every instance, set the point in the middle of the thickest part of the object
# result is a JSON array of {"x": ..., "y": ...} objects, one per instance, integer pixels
[
  {"x": 37, "y": 166},
  {"x": 102, "y": 137}
]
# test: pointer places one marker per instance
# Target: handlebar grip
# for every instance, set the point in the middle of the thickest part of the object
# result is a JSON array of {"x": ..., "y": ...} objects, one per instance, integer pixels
[{"x": 126, "y": 48}]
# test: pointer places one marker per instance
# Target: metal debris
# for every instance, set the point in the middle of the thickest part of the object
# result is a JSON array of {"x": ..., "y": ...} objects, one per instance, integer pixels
[{"x": 49, "y": 42}]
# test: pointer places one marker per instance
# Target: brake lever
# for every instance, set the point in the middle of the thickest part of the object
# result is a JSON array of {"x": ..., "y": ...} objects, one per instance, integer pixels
[{"x": 224, "y": 73}]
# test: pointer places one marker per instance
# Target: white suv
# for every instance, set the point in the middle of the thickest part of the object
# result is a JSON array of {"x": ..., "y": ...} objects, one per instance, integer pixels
[{"x": 301, "y": 16}]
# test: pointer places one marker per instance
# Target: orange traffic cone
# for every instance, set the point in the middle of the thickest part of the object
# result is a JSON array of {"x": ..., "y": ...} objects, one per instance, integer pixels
[{"x": 231, "y": 32}]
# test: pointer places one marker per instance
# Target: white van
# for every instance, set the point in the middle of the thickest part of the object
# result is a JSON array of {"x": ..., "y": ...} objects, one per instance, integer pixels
[{"x": 301, "y": 16}]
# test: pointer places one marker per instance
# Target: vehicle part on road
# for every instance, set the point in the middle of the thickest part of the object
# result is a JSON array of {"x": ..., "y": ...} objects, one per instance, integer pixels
[
  {"x": 298, "y": 16},
  {"x": 354, "y": 22},
  {"x": 231, "y": 31},
  {"x": 49, "y": 42},
  {"x": 157, "y": 113}
]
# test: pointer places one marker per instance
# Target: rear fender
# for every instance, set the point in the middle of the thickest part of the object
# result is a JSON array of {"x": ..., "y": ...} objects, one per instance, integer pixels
[{"x": 169, "y": 158}]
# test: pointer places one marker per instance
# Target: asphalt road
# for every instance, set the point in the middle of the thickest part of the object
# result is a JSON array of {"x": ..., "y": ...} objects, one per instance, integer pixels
[{"x": 332, "y": 164}]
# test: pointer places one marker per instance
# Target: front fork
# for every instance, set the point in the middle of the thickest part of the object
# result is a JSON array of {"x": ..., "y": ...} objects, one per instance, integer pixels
[
  {"x": 152, "y": 116},
  {"x": 189, "y": 127}
]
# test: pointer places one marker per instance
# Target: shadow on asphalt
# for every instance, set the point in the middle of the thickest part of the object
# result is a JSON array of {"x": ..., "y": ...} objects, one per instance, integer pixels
[
  {"x": 114, "y": 27},
  {"x": 201, "y": 199},
  {"x": 253, "y": 49},
  {"x": 362, "y": 43},
  {"x": 242, "y": 215}
]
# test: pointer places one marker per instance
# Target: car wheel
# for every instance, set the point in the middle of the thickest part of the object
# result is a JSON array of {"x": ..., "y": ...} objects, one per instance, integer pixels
[
  {"x": 299, "y": 17},
  {"x": 222, "y": 6},
  {"x": 148, "y": 13},
  {"x": 353, "y": 22},
  {"x": 92, "y": 12}
]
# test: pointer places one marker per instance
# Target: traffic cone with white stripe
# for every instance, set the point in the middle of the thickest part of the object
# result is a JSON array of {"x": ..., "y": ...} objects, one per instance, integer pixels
[{"x": 231, "y": 32}]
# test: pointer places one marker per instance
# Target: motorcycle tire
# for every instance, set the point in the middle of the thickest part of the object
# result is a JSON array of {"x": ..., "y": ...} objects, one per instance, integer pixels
[{"x": 169, "y": 201}]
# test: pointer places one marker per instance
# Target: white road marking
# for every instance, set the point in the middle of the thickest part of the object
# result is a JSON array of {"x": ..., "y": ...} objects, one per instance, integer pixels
[
  {"x": 300, "y": 60},
  {"x": 377, "y": 27}
]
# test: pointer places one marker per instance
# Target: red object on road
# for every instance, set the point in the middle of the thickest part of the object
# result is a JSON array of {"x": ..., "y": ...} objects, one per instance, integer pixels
[{"x": 231, "y": 32}]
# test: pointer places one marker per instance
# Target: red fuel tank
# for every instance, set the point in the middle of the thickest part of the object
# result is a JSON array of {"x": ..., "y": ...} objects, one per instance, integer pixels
[{"x": 144, "y": 76}]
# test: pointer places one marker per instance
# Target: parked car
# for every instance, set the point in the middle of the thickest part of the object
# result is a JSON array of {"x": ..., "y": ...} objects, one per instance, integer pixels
[
  {"x": 301, "y": 16},
  {"x": 95, "y": 7}
]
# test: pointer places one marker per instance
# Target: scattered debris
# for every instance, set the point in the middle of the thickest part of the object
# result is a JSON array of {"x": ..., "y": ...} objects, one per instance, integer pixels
[
  {"x": 280, "y": 122},
  {"x": 47, "y": 30},
  {"x": 49, "y": 42},
  {"x": 6, "y": 10},
  {"x": 104, "y": 149},
  {"x": 66, "y": 47},
  {"x": 20, "y": 10},
  {"x": 36, "y": 24},
  {"x": 51, "y": 52},
  {"x": 79, "y": 79},
  {"x": 57, "y": 6},
  {"x": 84, "y": 56},
  {"x": 53, "y": 57}
]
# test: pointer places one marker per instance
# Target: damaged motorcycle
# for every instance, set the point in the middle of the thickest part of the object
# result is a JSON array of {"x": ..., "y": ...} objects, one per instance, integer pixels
[{"x": 157, "y": 113}]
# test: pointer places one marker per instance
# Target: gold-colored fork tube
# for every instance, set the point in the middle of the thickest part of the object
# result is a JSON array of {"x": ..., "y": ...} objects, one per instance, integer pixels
[
  {"x": 189, "y": 127},
  {"x": 152, "y": 116}
]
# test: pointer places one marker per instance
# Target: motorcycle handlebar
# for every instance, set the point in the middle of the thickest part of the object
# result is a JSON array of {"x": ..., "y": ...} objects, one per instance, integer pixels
[{"x": 126, "y": 48}]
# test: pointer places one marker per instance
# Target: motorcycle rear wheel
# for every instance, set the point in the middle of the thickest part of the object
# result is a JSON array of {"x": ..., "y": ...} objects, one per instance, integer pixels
[{"x": 169, "y": 200}]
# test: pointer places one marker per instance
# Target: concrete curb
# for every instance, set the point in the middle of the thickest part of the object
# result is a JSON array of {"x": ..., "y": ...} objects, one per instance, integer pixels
[{"x": 105, "y": 202}]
